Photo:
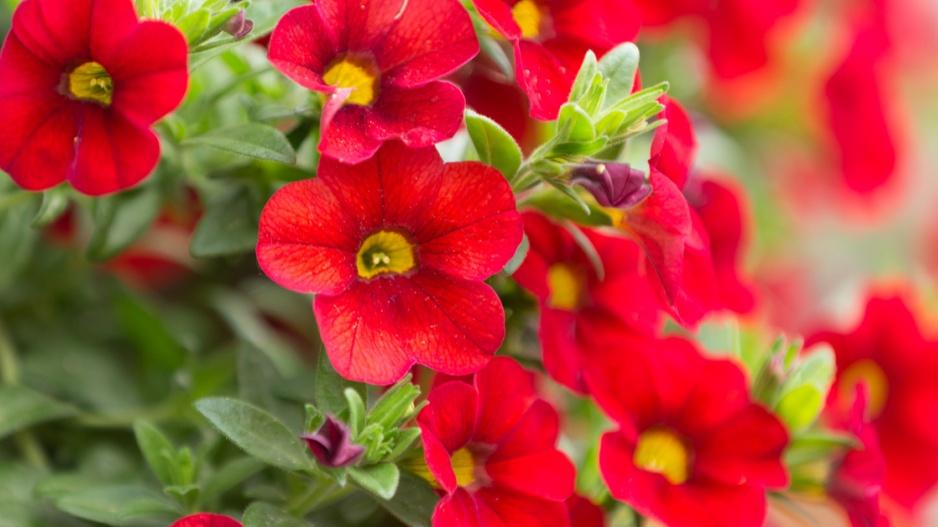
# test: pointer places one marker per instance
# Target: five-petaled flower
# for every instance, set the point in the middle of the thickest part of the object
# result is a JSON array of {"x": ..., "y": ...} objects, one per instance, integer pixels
[
  {"x": 551, "y": 37},
  {"x": 205, "y": 519},
  {"x": 81, "y": 81},
  {"x": 378, "y": 63},
  {"x": 396, "y": 249},
  {"x": 490, "y": 447},
  {"x": 692, "y": 449}
]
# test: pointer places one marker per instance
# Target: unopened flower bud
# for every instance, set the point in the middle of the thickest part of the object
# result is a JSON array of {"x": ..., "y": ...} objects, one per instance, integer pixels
[
  {"x": 332, "y": 444},
  {"x": 612, "y": 184},
  {"x": 238, "y": 26}
]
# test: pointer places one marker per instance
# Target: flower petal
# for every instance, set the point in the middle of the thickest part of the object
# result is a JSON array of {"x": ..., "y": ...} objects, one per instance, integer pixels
[
  {"x": 112, "y": 21},
  {"x": 113, "y": 153},
  {"x": 57, "y": 32},
  {"x": 458, "y": 510},
  {"x": 506, "y": 391},
  {"x": 360, "y": 25},
  {"x": 420, "y": 116},
  {"x": 22, "y": 71},
  {"x": 497, "y": 13},
  {"x": 302, "y": 45},
  {"x": 347, "y": 137},
  {"x": 675, "y": 145},
  {"x": 515, "y": 509},
  {"x": 37, "y": 139},
  {"x": 542, "y": 78}
]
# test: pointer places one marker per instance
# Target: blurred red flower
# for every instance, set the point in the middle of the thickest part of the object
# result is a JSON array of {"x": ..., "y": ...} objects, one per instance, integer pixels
[
  {"x": 77, "y": 103},
  {"x": 888, "y": 353},
  {"x": 396, "y": 249},
  {"x": 574, "y": 300},
  {"x": 692, "y": 449},
  {"x": 204, "y": 519},
  {"x": 551, "y": 37},
  {"x": 378, "y": 63},
  {"x": 491, "y": 448}
]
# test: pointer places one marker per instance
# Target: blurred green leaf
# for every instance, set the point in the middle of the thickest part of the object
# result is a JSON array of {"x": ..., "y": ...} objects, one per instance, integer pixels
[
  {"x": 149, "y": 334},
  {"x": 414, "y": 501},
  {"x": 228, "y": 227},
  {"x": 157, "y": 450},
  {"x": 802, "y": 394},
  {"x": 520, "y": 253},
  {"x": 120, "y": 506},
  {"x": 194, "y": 25},
  {"x": 330, "y": 386},
  {"x": 54, "y": 203},
  {"x": 266, "y": 515},
  {"x": 494, "y": 145},
  {"x": 119, "y": 220},
  {"x": 230, "y": 475},
  {"x": 619, "y": 65},
  {"x": 22, "y": 407},
  {"x": 256, "y": 432},
  {"x": 17, "y": 239},
  {"x": 249, "y": 139},
  {"x": 381, "y": 479}
]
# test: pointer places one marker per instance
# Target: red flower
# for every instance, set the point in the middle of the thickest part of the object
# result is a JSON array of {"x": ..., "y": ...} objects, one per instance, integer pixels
[
  {"x": 575, "y": 301},
  {"x": 77, "y": 103},
  {"x": 204, "y": 519},
  {"x": 888, "y": 353},
  {"x": 396, "y": 249},
  {"x": 585, "y": 513},
  {"x": 737, "y": 29},
  {"x": 378, "y": 62},
  {"x": 550, "y": 38},
  {"x": 692, "y": 449},
  {"x": 490, "y": 446}
]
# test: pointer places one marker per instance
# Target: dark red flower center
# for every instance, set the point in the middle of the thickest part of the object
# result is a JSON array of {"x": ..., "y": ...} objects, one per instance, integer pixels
[
  {"x": 661, "y": 451},
  {"x": 92, "y": 83},
  {"x": 359, "y": 74},
  {"x": 867, "y": 372},
  {"x": 567, "y": 286},
  {"x": 385, "y": 252}
]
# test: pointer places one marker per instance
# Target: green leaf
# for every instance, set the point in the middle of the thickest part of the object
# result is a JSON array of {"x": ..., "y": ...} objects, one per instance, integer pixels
[
  {"x": 495, "y": 146},
  {"x": 229, "y": 226},
  {"x": 491, "y": 47},
  {"x": 356, "y": 411},
  {"x": 230, "y": 475},
  {"x": 17, "y": 239},
  {"x": 249, "y": 139},
  {"x": 396, "y": 405},
  {"x": 619, "y": 65},
  {"x": 265, "y": 16},
  {"x": 22, "y": 407},
  {"x": 565, "y": 206},
  {"x": 584, "y": 77},
  {"x": 256, "y": 432},
  {"x": 579, "y": 149},
  {"x": 54, "y": 203},
  {"x": 575, "y": 124},
  {"x": 194, "y": 25},
  {"x": 800, "y": 406},
  {"x": 158, "y": 451},
  {"x": 802, "y": 395},
  {"x": 121, "y": 506},
  {"x": 405, "y": 440},
  {"x": 381, "y": 479},
  {"x": 520, "y": 253},
  {"x": 414, "y": 501},
  {"x": 330, "y": 386},
  {"x": 120, "y": 220},
  {"x": 266, "y": 515},
  {"x": 148, "y": 332}
]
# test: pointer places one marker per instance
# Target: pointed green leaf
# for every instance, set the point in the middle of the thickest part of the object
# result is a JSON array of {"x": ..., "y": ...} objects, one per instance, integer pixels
[
  {"x": 381, "y": 479},
  {"x": 121, "y": 219},
  {"x": 619, "y": 65},
  {"x": 249, "y": 139},
  {"x": 266, "y": 515},
  {"x": 330, "y": 386},
  {"x": 120, "y": 506},
  {"x": 228, "y": 227},
  {"x": 22, "y": 407},
  {"x": 157, "y": 450},
  {"x": 584, "y": 76},
  {"x": 414, "y": 501},
  {"x": 54, "y": 203},
  {"x": 494, "y": 145}
]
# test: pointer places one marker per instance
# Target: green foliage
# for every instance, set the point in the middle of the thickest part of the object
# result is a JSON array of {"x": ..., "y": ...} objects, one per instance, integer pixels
[
  {"x": 121, "y": 219},
  {"x": 494, "y": 145},
  {"x": 22, "y": 407},
  {"x": 249, "y": 139},
  {"x": 266, "y": 515}
]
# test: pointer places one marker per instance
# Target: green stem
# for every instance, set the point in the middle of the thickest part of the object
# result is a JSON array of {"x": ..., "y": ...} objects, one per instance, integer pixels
[
  {"x": 9, "y": 366},
  {"x": 14, "y": 198},
  {"x": 26, "y": 442}
]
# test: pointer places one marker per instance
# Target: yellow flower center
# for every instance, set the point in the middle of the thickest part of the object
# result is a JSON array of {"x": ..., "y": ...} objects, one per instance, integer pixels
[
  {"x": 348, "y": 74},
  {"x": 385, "y": 252},
  {"x": 91, "y": 82},
  {"x": 868, "y": 372},
  {"x": 662, "y": 452},
  {"x": 464, "y": 467},
  {"x": 566, "y": 285},
  {"x": 528, "y": 16}
]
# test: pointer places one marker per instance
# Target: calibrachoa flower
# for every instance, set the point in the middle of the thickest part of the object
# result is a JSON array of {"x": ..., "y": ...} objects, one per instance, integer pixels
[
  {"x": 692, "y": 449},
  {"x": 377, "y": 62},
  {"x": 888, "y": 353},
  {"x": 490, "y": 447},
  {"x": 550, "y": 38},
  {"x": 205, "y": 519},
  {"x": 575, "y": 300},
  {"x": 396, "y": 249},
  {"x": 81, "y": 82},
  {"x": 332, "y": 444}
]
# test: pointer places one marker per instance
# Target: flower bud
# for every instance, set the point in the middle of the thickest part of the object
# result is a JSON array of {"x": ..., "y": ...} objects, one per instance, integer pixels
[
  {"x": 332, "y": 445},
  {"x": 238, "y": 26},
  {"x": 612, "y": 184}
]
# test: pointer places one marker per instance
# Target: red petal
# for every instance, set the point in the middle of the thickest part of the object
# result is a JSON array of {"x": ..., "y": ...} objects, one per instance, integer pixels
[
  {"x": 416, "y": 52},
  {"x": 206, "y": 520},
  {"x": 700, "y": 291},
  {"x": 558, "y": 331},
  {"x": 498, "y": 14},
  {"x": 22, "y": 71},
  {"x": 585, "y": 513},
  {"x": 738, "y": 34},
  {"x": 457, "y": 510},
  {"x": 719, "y": 393},
  {"x": 347, "y": 138},
  {"x": 542, "y": 78},
  {"x": 37, "y": 146},
  {"x": 113, "y": 21},
  {"x": 598, "y": 25},
  {"x": 439, "y": 460},
  {"x": 57, "y": 32},
  {"x": 150, "y": 72},
  {"x": 660, "y": 224},
  {"x": 445, "y": 427},
  {"x": 549, "y": 244},
  {"x": 307, "y": 241},
  {"x": 360, "y": 25},
  {"x": 675, "y": 145},
  {"x": 113, "y": 153},
  {"x": 302, "y": 45},
  {"x": 376, "y": 330},
  {"x": 514, "y": 509},
  {"x": 505, "y": 394},
  {"x": 474, "y": 228},
  {"x": 420, "y": 116},
  {"x": 746, "y": 448}
]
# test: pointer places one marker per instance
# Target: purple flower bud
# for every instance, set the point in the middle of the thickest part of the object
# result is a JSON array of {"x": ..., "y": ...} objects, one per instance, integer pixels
[
  {"x": 332, "y": 445},
  {"x": 238, "y": 26},
  {"x": 612, "y": 184}
]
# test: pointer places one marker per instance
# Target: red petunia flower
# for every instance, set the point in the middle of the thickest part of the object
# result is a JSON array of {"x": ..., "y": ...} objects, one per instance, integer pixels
[
  {"x": 585, "y": 513},
  {"x": 692, "y": 449},
  {"x": 378, "y": 62},
  {"x": 551, "y": 37},
  {"x": 889, "y": 354},
  {"x": 396, "y": 249},
  {"x": 738, "y": 29},
  {"x": 491, "y": 448},
  {"x": 575, "y": 300},
  {"x": 204, "y": 519},
  {"x": 81, "y": 81}
]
